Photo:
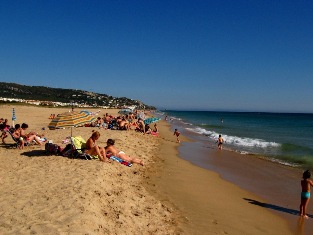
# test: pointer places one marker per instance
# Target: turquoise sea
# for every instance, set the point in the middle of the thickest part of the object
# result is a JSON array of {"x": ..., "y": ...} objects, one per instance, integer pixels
[{"x": 286, "y": 138}]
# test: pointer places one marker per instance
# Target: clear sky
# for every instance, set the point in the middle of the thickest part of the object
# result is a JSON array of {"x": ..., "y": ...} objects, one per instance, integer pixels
[{"x": 233, "y": 55}]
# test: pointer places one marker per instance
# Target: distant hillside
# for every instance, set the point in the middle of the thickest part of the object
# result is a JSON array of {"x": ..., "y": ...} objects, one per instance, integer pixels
[{"x": 41, "y": 93}]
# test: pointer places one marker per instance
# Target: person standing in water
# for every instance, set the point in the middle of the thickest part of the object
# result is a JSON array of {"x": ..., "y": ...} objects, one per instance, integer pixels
[{"x": 220, "y": 142}]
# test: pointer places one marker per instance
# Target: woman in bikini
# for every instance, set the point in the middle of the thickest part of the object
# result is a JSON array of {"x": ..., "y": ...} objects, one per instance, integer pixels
[
  {"x": 110, "y": 149},
  {"x": 93, "y": 149}
]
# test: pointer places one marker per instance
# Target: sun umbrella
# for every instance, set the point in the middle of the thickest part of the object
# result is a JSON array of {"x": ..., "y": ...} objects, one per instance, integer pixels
[
  {"x": 125, "y": 111},
  {"x": 85, "y": 111},
  {"x": 70, "y": 119},
  {"x": 13, "y": 116},
  {"x": 151, "y": 120}
]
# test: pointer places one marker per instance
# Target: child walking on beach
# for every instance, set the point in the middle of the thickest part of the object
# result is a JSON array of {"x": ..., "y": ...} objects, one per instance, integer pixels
[
  {"x": 306, "y": 184},
  {"x": 177, "y": 133}
]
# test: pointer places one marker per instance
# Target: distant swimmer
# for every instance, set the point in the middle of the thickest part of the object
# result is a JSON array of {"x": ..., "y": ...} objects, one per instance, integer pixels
[
  {"x": 220, "y": 142},
  {"x": 222, "y": 120}
]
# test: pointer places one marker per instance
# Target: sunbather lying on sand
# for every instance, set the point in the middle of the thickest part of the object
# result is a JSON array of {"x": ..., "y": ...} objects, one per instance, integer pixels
[{"x": 110, "y": 149}]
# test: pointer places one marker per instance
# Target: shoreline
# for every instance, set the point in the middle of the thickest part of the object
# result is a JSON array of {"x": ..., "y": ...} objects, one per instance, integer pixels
[
  {"x": 208, "y": 203},
  {"x": 276, "y": 184}
]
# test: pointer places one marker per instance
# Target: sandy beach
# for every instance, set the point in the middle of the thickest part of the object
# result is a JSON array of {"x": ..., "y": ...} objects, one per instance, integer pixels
[
  {"x": 56, "y": 195},
  {"x": 43, "y": 194}
]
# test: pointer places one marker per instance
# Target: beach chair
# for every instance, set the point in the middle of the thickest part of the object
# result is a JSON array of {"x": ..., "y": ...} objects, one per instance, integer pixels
[
  {"x": 78, "y": 144},
  {"x": 16, "y": 141}
]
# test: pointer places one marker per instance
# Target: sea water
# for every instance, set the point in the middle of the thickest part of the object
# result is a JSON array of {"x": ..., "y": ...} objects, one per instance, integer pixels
[{"x": 283, "y": 137}]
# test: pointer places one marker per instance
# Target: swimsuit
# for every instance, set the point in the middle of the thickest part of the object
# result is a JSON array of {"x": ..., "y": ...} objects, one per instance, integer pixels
[
  {"x": 120, "y": 152},
  {"x": 305, "y": 195}
]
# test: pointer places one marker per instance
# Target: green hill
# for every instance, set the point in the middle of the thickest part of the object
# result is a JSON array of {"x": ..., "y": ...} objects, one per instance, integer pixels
[{"x": 41, "y": 93}]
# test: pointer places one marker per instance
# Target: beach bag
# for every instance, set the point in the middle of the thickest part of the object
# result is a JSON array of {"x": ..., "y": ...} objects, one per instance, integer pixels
[
  {"x": 67, "y": 151},
  {"x": 80, "y": 155},
  {"x": 52, "y": 149}
]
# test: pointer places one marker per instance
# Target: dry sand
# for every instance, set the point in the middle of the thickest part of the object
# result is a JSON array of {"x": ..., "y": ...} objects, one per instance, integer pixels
[
  {"x": 56, "y": 195},
  {"x": 43, "y": 194}
]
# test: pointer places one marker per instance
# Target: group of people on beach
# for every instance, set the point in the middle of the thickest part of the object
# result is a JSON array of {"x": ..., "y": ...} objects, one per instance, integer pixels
[
  {"x": 123, "y": 122},
  {"x": 129, "y": 121},
  {"x": 126, "y": 122},
  {"x": 23, "y": 138},
  {"x": 19, "y": 134},
  {"x": 109, "y": 150}
]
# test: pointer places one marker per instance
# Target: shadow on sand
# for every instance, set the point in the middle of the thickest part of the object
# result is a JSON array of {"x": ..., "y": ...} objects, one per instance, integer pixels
[
  {"x": 35, "y": 153},
  {"x": 274, "y": 207}
]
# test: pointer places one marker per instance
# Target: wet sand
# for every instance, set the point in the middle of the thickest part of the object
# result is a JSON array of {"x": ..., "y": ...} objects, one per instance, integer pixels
[{"x": 277, "y": 186}]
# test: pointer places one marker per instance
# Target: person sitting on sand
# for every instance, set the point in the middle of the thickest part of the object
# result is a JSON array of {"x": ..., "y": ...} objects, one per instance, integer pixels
[
  {"x": 99, "y": 122},
  {"x": 306, "y": 184},
  {"x": 107, "y": 118},
  {"x": 17, "y": 136},
  {"x": 111, "y": 150},
  {"x": 30, "y": 136},
  {"x": 148, "y": 129},
  {"x": 93, "y": 149},
  {"x": 141, "y": 125},
  {"x": 123, "y": 124},
  {"x": 155, "y": 128}
]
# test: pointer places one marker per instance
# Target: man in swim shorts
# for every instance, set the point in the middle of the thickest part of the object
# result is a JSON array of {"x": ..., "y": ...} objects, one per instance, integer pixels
[{"x": 220, "y": 141}]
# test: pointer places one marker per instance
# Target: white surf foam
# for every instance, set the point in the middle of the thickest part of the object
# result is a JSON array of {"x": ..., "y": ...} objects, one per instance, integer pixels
[{"x": 235, "y": 140}]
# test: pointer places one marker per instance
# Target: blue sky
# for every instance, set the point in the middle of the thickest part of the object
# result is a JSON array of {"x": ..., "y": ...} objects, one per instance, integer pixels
[{"x": 185, "y": 55}]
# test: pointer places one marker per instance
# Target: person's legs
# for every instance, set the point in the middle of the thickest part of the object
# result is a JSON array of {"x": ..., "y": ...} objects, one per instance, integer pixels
[
  {"x": 100, "y": 151},
  {"x": 130, "y": 159},
  {"x": 306, "y": 201},
  {"x": 4, "y": 135},
  {"x": 34, "y": 137},
  {"x": 220, "y": 146},
  {"x": 303, "y": 205},
  {"x": 21, "y": 143}
]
